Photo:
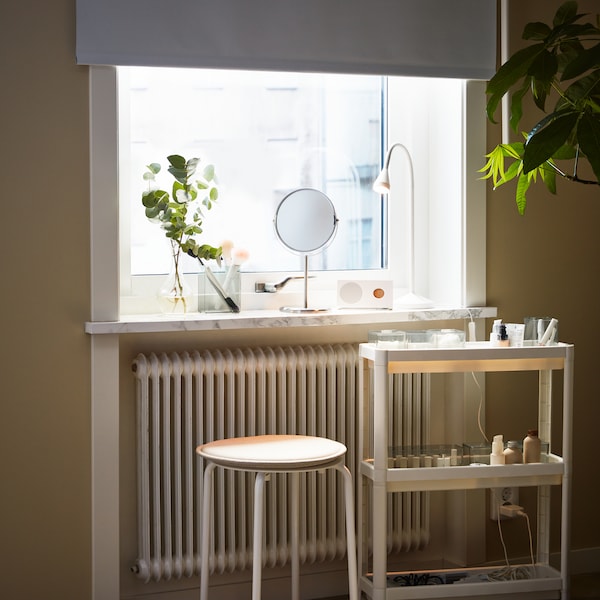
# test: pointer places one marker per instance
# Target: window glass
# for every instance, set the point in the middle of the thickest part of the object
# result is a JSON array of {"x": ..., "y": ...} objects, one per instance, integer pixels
[{"x": 266, "y": 134}]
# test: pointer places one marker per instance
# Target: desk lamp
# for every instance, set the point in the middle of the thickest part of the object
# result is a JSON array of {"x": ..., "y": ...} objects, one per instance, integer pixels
[{"x": 382, "y": 186}]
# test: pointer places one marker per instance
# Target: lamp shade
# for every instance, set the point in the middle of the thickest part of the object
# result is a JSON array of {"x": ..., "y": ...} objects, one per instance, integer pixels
[{"x": 382, "y": 184}]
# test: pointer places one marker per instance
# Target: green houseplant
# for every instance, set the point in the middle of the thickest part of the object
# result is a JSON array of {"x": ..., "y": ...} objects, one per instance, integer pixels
[
  {"x": 180, "y": 214},
  {"x": 560, "y": 70}
]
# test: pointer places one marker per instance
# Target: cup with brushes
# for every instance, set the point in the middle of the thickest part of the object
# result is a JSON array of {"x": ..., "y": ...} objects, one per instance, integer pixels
[{"x": 220, "y": 288}]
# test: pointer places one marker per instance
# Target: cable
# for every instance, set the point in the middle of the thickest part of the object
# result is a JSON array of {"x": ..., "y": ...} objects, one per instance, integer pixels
[
  {"x": 508, "y": 572},
  {"x": 495, "y": 493},
  {"x": 480, "y": 390},
  {"x": 480, "y": 407},
  {"x": 522, "y": 513}
]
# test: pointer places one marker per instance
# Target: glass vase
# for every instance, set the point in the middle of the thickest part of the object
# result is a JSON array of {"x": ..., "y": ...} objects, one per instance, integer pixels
[{"x": 176, "y": 295}]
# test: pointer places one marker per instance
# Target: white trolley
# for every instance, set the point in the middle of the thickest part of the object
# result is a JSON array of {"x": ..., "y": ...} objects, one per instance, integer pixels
[{"x": 378, "y": 478}]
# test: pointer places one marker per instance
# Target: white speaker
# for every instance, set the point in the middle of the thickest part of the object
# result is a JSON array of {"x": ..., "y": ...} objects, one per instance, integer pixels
[{"x": 365, "y": 294}]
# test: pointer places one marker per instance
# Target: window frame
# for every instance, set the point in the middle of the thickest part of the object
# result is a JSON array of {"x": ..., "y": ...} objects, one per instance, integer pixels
[{"x": 471, "y": 221}]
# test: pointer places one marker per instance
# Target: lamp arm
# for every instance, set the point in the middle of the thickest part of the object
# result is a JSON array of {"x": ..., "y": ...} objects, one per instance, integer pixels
[{"x": 411, "y": 211}]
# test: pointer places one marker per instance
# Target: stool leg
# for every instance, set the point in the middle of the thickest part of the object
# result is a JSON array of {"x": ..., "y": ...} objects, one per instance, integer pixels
[
  {"x": 295, "y": 553},
  {"x": 205, "y": 536},
  {"x": 259, "y": 487},
  {"x": 350, "y": 532}
]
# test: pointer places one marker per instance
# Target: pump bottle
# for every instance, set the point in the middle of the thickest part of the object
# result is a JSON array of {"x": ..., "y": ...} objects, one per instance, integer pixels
[
  {"x": 497, "y": 455},
  {"x": 532, "y": 447}
]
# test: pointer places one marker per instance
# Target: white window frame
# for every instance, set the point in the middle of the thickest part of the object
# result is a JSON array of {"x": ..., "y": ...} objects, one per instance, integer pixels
[
  {"x": 445, "y": 207},
  {"x": 463, "y": 231}
]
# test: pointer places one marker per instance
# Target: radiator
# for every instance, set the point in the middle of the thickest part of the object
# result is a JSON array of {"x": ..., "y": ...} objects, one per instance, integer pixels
[{"x": 189, "y": 398}]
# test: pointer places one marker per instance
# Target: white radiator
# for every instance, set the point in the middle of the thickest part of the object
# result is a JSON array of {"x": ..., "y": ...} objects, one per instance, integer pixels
[{"x": 185, "y": 399}]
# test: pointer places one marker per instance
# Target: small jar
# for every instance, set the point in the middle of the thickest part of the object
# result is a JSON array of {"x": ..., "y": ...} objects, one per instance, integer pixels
[
  {"x": 512, "y": 453},
  {"x": 532, "y": 447}
]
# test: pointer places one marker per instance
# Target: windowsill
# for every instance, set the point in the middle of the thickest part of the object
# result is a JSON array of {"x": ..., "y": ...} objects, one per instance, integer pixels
[{"x": 258, "y": 319}]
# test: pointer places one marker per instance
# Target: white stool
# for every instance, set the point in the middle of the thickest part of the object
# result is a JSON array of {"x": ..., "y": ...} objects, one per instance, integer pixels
[{"x": 276, "y": 454}]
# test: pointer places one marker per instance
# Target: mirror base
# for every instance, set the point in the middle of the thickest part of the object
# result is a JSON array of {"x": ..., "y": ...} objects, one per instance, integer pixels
[{"x": 302, "y": 309}]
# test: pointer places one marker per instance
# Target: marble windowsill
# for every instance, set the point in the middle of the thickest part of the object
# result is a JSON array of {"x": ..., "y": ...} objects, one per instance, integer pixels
[{"x": 257, "y": 319}]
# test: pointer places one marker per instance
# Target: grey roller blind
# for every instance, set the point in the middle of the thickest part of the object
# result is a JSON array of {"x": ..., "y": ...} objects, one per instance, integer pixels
[{"x": 435, "y": 38}]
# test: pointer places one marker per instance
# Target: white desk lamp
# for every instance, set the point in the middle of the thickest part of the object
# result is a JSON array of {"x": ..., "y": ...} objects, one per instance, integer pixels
[{"x": 382, "y": 186}]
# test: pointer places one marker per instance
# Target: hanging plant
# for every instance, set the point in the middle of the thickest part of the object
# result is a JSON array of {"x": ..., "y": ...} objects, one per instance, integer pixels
[
  {"x": 562, "y": 66},
  {"x": 181, "y": 212}
]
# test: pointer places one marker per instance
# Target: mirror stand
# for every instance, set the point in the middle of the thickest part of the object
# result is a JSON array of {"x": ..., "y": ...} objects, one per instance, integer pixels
[{"x": 305, "y": 308}]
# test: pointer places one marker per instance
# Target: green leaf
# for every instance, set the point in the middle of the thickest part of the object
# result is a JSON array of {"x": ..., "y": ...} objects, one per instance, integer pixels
[
  {"x": 209, "y": 172},
  {"x": 542, "y": 70},
  {"x": 548, "y": 177},
  {"x": 179, "y": 174},
  {"x": 154, "y": 168},
  {"x": 536, "y": 31},
  {"x": 584, "y": 87},
  {"x": 176, "y": 161},
  {"x": 214, "y": 193},
  {"x": 566, "y": 13},
  {"x": 566, "y": 152},
  {"x": 542, "y": 144},
  {"x": 508, "y": 74},
  {"x": 583, "y": 62},
  {"x": 516, "y": 105},
  {"x": 588, "y": 134},
  {"x": 152, "y": 212},
  {"x": 520, "y": 196}
]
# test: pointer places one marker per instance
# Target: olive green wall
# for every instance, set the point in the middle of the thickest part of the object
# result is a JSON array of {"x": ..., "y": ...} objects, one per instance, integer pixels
[
  {"x": 541, "y": 263},
  {"x": 45, "y": 546}
]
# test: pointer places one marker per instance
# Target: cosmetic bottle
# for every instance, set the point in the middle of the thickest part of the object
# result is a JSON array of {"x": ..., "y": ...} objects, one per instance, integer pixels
[
  {"x": 512, "y": 453},
  {"x": 532, "y": 447},
  {"x": 502, "y": 336},
  {"x": 499, "y": 335},
  {"x": 497, "y": 455}
]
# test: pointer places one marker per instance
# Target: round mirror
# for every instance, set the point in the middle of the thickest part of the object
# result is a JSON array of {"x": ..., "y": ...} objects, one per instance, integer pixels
[{"x": 305, "y": 221}]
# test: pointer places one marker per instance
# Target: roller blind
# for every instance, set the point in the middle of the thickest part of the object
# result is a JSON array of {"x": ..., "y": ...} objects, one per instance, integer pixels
[{"x": 435, "y": 38}]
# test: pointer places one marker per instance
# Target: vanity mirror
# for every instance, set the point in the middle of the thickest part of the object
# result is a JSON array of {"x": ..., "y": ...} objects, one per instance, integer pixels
[{"x": 305, "y": 223}]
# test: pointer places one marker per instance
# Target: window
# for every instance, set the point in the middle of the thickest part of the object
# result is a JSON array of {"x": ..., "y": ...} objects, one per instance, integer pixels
[
  {"x": 266, "y": 134},
  {"x": 269, "y": 133}
]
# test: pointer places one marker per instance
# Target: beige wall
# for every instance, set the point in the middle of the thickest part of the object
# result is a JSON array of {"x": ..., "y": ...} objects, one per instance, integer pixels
[
  {"x": 542, "y": 263},
  {"x": 546, "y": 263},
  {"x": 44, "y": 354}
]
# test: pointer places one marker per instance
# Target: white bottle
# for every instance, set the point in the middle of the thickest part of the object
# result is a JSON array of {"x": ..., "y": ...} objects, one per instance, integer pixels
[
  {"x": 497, "y": 455},
  {"x": 532, "y": 447},
  {"x": 512, "y": 453}
]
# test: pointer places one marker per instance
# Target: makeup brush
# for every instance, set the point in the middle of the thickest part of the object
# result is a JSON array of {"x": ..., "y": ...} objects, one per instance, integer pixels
[
  {"x": 226, "y": 247},
  {"x": 240, "y": 255}
]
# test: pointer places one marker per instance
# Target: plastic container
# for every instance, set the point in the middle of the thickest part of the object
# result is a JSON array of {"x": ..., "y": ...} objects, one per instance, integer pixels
[
  {"x": 512, "y": 453},
  {"x": 388, "y": 339},
  {"x": 448, "y": 338}
]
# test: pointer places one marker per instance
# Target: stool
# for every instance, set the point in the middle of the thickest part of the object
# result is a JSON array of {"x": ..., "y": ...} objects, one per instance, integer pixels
[{"x": 264, "y": 454}]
